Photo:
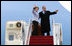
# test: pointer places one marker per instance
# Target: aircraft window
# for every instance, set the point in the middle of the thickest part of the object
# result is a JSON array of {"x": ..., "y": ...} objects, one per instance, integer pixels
[
  {"x": 11, "y": 25},
  {"x": 11, "y": 37}
]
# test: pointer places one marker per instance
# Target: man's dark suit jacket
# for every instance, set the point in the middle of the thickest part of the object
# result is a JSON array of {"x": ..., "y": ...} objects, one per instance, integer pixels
[{"x": 45, "y": 22}]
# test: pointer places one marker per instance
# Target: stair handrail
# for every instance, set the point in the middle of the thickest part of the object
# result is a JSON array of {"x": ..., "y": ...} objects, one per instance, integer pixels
[
  {"x": 57, "y": 40},
  {"x": 29, "y": 32}
]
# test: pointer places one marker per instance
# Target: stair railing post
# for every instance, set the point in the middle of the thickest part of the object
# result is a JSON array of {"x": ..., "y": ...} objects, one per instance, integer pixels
[
  {"x": 57, "y": 33},
  {"x": 54, "y": 38},
  {"x": 61, "y": 35},
  {"x": 29, "y": 32}
]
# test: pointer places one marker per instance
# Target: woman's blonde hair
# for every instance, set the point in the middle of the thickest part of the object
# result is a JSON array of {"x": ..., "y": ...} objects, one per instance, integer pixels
[{"x": 36, "y": 7}]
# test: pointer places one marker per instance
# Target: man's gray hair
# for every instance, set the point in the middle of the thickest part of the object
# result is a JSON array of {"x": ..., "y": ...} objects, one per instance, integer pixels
[{"x": 43, "y": 6}]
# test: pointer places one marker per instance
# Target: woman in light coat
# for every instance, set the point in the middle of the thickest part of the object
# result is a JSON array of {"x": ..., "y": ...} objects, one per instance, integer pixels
[{"x": 35, "y": 20}]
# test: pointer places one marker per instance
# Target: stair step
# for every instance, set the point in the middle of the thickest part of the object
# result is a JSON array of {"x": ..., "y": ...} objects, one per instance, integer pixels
[
  {"x": 41, "y": 40},
  {"x": 41, "y": 36},
  {"x": 41, "y": 43}
]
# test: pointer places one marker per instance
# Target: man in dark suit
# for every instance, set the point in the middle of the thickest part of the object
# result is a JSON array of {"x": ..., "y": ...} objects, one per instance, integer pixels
[{"x": 45, "y": 22}]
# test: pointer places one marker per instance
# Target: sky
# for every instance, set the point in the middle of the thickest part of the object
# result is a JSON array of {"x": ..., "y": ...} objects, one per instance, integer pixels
[{"x": 22, "y": 10}]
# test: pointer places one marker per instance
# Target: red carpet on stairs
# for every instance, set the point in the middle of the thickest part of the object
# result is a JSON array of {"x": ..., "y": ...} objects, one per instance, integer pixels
[{"x": 41, "y": 40}]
